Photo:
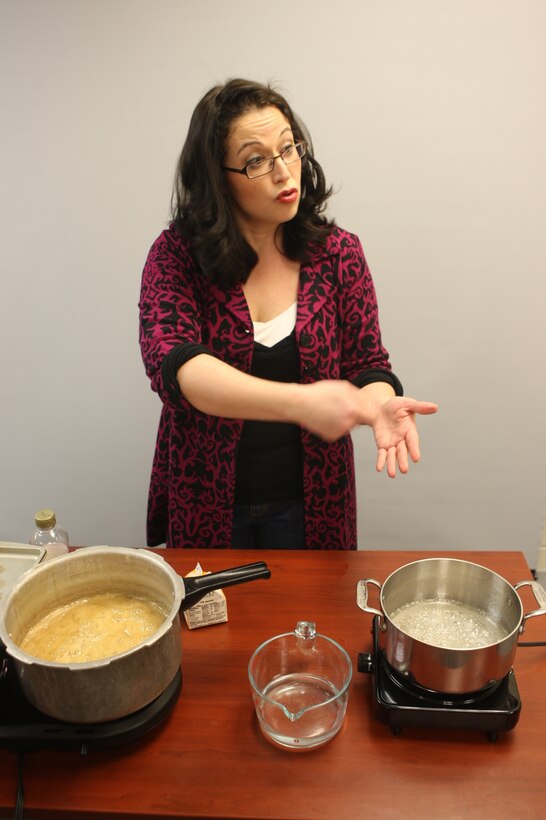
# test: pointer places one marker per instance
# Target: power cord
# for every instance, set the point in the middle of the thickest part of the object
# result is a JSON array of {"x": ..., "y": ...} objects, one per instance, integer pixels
[
  {"x": 20, "y": 801},
  {"x": 531, "y": 643}
]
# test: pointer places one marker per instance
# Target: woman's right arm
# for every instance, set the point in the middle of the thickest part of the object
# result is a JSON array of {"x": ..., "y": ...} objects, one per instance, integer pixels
[{"x": 329, "y": 409}]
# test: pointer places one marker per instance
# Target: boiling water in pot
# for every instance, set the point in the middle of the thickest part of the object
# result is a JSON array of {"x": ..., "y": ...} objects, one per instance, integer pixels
[{"x": 448, "y": 624}]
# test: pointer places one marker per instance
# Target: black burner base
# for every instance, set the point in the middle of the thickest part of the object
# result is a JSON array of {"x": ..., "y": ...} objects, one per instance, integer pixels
[
  {"x": 491, "y": 711},
  {"x": 25, "y": 728}
]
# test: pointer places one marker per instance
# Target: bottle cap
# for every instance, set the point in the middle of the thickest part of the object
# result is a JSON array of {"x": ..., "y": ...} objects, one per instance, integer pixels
[{"x": 45, "y": 519}]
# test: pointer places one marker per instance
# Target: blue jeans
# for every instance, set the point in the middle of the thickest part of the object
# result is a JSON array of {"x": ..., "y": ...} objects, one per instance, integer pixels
[{"x": 276, "y": 526}]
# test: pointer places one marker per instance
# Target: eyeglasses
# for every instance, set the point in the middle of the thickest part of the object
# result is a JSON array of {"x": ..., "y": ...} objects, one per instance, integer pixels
[{"x": 261, "y": 167}]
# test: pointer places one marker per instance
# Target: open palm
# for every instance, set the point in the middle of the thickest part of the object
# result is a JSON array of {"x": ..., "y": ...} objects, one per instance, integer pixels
[{"x": 395, "y": 433}]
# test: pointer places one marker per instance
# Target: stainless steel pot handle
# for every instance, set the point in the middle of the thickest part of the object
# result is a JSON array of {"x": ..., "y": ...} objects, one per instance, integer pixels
[
  {"x": 540, "y": 597},
  {"x": 362, "y": 598}
]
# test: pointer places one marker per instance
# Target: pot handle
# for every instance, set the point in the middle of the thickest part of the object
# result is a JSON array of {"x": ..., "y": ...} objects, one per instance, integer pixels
[
  {"x": 362, "y": 596},
  {"x": 540, "y": 597},
  {"x": 197, "y": 587}
]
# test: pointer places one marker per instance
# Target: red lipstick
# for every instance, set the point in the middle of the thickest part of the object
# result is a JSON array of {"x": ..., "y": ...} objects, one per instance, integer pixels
[{"x": 289, "y": 195}]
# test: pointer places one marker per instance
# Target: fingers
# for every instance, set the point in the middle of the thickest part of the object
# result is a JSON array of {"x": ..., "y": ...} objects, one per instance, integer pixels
[
  {"x": 396, "y": 456},
  {"x": 402, "y": 457},
  {"x": 424, "y": 408},
  {"x": 393, "y": 457},
  {"x": 391, "y": 462},
  {"x": 412, "y": 442},
  {"x": 381, "y": 459}
]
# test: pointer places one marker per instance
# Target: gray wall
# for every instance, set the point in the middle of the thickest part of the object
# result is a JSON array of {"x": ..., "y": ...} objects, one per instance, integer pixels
[{"x": 429, "y": 119}]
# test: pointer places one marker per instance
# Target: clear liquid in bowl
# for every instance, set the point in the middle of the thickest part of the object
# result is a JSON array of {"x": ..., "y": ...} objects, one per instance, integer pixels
[{"x": 317, "y": 704}]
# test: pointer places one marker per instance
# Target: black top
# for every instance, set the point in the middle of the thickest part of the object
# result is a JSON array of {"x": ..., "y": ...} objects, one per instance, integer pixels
[{"x": 269, "y": 458}]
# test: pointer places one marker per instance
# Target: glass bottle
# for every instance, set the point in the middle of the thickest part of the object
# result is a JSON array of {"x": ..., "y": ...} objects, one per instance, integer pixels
[{"x": 47, "y": 534}]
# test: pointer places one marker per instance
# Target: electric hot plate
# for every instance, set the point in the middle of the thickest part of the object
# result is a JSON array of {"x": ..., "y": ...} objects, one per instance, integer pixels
[
  {"x": 400, "y": 703},
  {"x": 25, "y": 728}
]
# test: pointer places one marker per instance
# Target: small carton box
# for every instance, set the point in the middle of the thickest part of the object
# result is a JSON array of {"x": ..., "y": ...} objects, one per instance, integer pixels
[{"x": 211, "y": 609}]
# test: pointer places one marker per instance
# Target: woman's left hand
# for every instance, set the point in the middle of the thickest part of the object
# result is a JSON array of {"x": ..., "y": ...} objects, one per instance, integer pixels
[{"x": 396, "y": 434}]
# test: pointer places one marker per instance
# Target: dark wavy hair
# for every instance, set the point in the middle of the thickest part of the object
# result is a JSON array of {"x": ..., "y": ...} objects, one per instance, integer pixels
[{"x": 201, "y": 201}]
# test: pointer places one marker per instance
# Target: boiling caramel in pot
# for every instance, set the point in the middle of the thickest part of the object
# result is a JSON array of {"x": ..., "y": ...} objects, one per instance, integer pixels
[{"x": 93, "y": 627}]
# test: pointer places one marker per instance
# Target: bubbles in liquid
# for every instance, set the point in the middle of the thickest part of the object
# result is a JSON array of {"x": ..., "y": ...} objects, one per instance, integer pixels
[
  {"x": 92, "y": 628},
  {"x": 449, "y": 624}
]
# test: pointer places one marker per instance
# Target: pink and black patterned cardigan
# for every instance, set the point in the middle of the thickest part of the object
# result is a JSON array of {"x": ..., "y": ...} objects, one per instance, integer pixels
[{"x": 338, "y": 337}]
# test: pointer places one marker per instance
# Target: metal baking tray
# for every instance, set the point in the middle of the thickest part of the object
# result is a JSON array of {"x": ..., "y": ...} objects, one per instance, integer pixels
[{"x": 15, "y": 560}]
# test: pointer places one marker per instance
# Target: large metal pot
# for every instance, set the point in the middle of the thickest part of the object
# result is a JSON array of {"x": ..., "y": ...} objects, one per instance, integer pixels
[
  {"x": 117, "y": 686},
  {"x": 471, "y": 587}
]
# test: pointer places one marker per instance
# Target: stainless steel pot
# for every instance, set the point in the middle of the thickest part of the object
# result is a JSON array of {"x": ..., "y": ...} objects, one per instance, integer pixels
[
  {"x": 113, "y": 687},
  {"x": 471, "y": 587}
]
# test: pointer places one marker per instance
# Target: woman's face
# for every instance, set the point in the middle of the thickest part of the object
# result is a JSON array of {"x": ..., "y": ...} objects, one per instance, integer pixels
[{"x": 263, "y": 203}]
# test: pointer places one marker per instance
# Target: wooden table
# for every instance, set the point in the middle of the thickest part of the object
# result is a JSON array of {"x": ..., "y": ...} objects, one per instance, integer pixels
[{"x": 209, "y": 759}]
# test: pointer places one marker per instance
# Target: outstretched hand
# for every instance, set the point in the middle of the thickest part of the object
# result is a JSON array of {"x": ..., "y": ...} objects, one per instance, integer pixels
[{"x": 395, "y": 433}]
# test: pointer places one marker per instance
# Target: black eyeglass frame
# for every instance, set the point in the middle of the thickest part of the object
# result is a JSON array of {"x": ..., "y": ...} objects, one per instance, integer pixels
[{"x": 299, "y": 146}]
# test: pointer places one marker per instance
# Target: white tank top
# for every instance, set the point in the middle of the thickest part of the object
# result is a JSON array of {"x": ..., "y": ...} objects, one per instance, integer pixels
[{"x": 278, "y": 328}]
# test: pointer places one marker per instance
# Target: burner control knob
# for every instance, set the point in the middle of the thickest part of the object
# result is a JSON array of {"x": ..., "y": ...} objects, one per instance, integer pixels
[{"x": 365, "y": 662}]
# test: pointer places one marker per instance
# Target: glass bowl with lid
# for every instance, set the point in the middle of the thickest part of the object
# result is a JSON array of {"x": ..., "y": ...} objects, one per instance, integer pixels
[{"x": 300, "y": 687}]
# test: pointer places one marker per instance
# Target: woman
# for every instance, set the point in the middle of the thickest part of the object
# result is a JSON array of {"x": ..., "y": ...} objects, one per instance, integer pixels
[{"x": 259, "y": 331}]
